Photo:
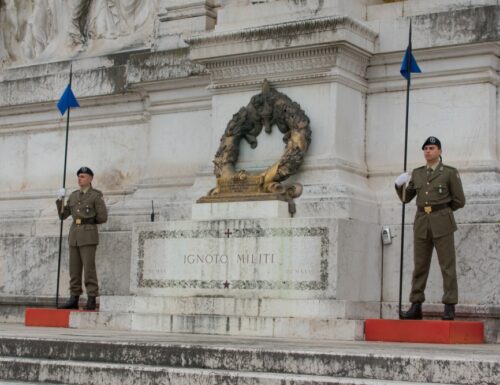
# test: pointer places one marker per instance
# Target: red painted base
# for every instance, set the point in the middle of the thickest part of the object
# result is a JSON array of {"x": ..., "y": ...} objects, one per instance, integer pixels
[
  {"x": 46, "y": 317},
  {"x": 425, "y": 331}
]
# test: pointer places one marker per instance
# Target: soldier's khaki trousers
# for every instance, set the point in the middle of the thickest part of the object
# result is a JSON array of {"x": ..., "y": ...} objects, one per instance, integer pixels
[
  {"x": 445, "y": 248},
  {"x": 83, "y": 258}
]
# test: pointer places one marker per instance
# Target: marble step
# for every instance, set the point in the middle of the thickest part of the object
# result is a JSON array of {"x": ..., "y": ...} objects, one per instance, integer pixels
[
  {"x": 7, "y": 382},
  {"x": 281, "y": 327},
  {"x": 83, "y": 373},
  {"x": 138, "y": 358},
  {"x": 235, "y": 306}
]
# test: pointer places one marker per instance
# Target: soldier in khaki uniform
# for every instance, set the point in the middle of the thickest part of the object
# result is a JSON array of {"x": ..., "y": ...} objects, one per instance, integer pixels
[
  {"x": 87, "y": 208},
  {"x": 439, "y": 192}
]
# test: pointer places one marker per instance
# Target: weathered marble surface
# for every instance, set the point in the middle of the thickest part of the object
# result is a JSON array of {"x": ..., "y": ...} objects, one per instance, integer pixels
[
  {"x": 477, "y": 249},
  {"x": 52, "y": 29},
  {"x": 308, "y": 258},
  {"x": 233, "y": 305},
  {"x": 277, "y": 327},
  {"x": 29, "y": 265},
  {"x": 240, "y": 210},
  {"x": 156, "y": 97}
]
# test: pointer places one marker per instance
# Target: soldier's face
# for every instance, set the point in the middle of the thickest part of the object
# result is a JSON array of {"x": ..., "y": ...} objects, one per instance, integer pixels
[
  {"x": 84, "y": 180},
  {"x": 431, "y": 153}
]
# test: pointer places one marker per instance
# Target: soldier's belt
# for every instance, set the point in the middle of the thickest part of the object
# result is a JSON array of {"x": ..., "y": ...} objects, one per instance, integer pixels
[
  {"x": 84, "y": 221},
  {"x": 430, "y": 209}
]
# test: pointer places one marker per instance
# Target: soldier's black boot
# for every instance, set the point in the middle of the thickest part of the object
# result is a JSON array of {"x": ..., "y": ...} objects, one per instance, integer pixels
[
  {"x": 90, "y": 303},
  {"x": 449, "y": 313},
  {"x": 72, "y": 303},
  {"x": 414, "y": 312}
]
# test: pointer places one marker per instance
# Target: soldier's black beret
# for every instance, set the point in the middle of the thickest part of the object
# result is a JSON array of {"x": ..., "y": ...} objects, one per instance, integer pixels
[
  {"x": 432, "y": 140},
  {"x": 84, "y": 170}
]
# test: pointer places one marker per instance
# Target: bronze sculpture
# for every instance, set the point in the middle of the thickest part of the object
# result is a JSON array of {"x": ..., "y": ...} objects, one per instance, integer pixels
[{"x": 265, "y": 110}]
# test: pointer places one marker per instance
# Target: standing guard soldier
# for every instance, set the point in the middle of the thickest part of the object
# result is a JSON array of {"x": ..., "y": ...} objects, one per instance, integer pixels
[
  {"x": 439, "y": 192},
  {"x": 87, "y": 208}
]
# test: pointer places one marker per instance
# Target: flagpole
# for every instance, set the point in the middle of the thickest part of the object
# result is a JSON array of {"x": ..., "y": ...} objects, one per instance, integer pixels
[
  {"x": 408, "y": 84},
  {"x": 64, "y": 186}
]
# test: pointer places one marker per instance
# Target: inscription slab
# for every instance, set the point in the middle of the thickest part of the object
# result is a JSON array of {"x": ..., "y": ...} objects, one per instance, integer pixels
[
  {"x": 282, "y": 258},
  {"x": 237, "y": 258}
]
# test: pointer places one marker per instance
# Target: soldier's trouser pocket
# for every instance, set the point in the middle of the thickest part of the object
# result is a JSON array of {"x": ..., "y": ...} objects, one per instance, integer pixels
[{"x": 442, "y": 223}]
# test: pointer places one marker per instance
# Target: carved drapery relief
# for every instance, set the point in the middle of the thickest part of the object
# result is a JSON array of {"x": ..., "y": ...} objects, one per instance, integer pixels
[
  {"x": 42, "y": 29},
  {"x": 33, "y": 30},
  {"x": 12, "y": 27},
  {"x": 109, "y": 19}
]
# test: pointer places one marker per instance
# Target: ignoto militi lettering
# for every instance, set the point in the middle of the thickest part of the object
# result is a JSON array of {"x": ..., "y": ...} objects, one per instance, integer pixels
[
  {"x": 222, "y": 259},
  {"x": 261, "y": 258},
  {"x": 208, "y": 259}
]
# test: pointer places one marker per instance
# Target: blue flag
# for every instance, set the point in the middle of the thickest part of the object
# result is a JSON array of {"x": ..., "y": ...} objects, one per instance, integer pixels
[
  {"x": 67, "y": 100},
  {"x": 413, "y": 65}
]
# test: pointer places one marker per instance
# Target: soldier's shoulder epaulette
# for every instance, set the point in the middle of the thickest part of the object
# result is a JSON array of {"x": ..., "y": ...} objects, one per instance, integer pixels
[
  {"x": 419, "y": 168},
  {"x": 96, "y": 191},
  {"x": 74, "y": 192},
  {"x": 449, "y": 167}
]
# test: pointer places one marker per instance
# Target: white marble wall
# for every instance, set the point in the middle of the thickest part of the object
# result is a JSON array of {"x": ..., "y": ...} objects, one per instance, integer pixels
[
  {"x": 475, "y": 262},
  {"x": 152, "y": 115}
]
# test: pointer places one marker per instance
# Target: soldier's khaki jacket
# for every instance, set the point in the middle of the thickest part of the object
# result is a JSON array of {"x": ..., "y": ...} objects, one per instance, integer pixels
[
  {"x": 86, "y": 207},
  {"x": 443, "y": 187}
]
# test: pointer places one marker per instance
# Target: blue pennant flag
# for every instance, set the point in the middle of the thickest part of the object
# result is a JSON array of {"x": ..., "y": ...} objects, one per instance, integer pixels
[
  {"x": 67, "y": 100},
  {"x": 413, "y": 65}
]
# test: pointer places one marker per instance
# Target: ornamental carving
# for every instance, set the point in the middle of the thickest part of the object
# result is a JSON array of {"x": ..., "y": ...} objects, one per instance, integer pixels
[
  {"x": 265, "y": 110},
  {"x": 32, "y": 31}
]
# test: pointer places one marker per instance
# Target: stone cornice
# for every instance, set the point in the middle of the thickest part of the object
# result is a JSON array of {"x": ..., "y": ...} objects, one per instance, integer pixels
[
  {"x": 288, "y": 66},
  {"x": 441, "y": 66},
  {"x": 318, "y": 50},
  {"x": 284, "y": 31}
]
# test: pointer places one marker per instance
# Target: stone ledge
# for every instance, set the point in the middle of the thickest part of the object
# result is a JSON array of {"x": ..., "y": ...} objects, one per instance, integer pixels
[
  {"x": 284, "y": 30},
  {"x": 18, "y": 300},
  {"x": 275, "y": 327},
  {"x": 109, "y": 75},
  {"x": 248, "y": 307}
]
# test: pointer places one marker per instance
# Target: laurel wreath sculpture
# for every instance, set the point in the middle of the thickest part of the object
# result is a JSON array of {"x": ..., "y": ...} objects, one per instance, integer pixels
[{"x": 265, "y": 110}]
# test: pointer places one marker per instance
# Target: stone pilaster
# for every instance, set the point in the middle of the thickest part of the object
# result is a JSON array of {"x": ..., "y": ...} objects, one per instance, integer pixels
[{"x": 321, "y": 64}]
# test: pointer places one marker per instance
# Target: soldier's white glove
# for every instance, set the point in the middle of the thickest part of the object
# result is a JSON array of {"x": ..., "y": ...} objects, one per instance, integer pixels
[
  {"x": 402, "y": 179},
  {"x": 61, "y": 193}
]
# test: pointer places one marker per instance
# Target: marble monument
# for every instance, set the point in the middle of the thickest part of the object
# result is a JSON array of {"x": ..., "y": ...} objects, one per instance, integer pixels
[{"x": 159, "y": 80}]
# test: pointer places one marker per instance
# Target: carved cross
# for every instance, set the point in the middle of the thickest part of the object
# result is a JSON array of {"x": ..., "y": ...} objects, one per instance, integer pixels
[{"x": 228, "y": 233}]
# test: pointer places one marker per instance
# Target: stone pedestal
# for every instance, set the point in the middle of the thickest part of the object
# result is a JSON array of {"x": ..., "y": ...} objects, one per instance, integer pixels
[
  {"x": 240, "y": 210},
  {"x": 226, "y": 274}
]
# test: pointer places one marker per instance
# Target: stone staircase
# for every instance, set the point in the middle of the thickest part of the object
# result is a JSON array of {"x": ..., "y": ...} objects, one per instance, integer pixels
[{"x": 65, "y": 356}]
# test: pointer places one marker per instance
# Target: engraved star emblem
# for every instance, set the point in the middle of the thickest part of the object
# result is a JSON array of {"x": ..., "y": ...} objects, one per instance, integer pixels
[{"x": 226, "y": 285}]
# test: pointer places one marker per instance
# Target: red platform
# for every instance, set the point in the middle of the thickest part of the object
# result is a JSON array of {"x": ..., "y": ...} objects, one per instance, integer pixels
[
  {"x": 47, "y": 317},
  {"x": 425, "y": 331}
]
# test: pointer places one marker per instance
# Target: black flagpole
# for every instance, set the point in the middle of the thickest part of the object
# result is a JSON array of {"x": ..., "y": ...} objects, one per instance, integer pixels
[
  {"x": 64, "y": 186},
  {"x": 408, "y": 83}
]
